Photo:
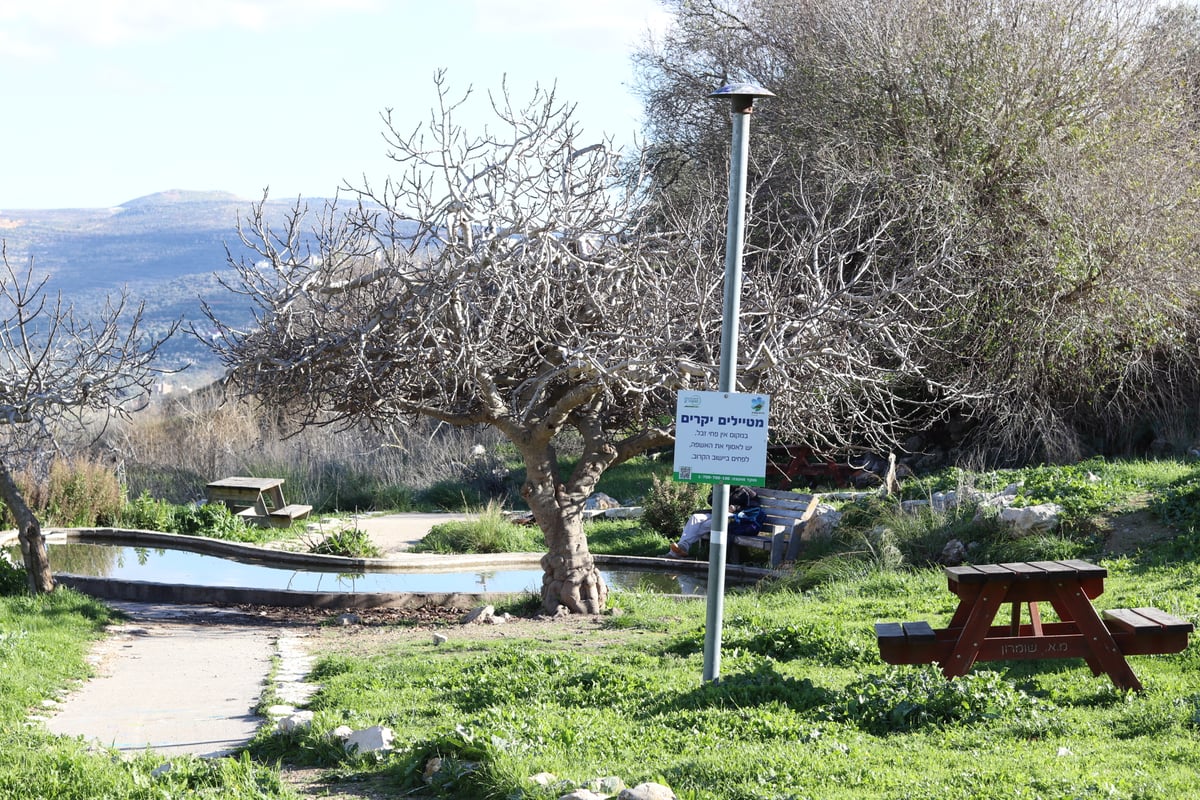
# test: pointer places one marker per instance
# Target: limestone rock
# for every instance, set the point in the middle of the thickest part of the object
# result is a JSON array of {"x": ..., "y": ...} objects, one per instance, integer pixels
[
  {"x": 481, "y": 614},
  {"x": 440, "y": 638},
  {"x": 648, "y": 791},
  {"x": 1031, "y": 519},
  {"x": 370, "y": 740},
  {"x": 599, "y": 501},
  {"x": 295, "y": 722},
  {"x": 544, "y": 778},
  {"x": 583, "y": 794}
]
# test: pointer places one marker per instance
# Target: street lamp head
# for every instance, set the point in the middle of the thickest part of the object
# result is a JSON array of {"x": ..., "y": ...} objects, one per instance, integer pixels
[{"x": 742, "y": 95}]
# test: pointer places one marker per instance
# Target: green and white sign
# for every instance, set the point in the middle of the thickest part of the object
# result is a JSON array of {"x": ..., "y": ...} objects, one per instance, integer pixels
[{"x": 721, "y": 437}]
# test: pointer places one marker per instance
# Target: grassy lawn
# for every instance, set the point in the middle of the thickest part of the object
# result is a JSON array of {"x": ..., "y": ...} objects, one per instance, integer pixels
[{"x": 805, "y": 708}]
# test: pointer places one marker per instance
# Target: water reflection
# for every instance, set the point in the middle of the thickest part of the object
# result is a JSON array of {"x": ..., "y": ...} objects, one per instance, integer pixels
[{"x": 182, "y": 567}]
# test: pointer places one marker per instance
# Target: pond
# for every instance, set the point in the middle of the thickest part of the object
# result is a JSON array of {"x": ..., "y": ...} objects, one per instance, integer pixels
[{"x": 123, "y": 562}]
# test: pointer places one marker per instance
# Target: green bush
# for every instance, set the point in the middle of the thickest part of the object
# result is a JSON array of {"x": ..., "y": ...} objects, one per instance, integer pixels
[
  {"x": 211, "y": 519},
  {"x": 147, "y": 514},
  {"x": 669, "y": 503},
  {"x": 349, "y": 542},
  {"x": 488, "y": 532},
  {"x": 13, "y": 579}
]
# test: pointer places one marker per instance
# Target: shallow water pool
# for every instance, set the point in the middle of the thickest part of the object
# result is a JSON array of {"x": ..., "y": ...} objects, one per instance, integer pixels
[{"x": 181, "y": 567}]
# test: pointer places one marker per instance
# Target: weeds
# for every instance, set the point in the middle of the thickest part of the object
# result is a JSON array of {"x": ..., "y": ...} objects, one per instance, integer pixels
[
  {"x": 352, "y": 542},
  {"x": 487, "y": 531}
]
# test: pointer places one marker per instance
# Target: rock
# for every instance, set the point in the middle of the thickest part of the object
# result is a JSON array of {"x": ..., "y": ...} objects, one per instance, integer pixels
[
  {"x": 605, "y": 786},
  {"x": 162, "y": 769},
  {"x": 350, "y": 619},
  {"x": 432, "y": 767},
  {"x": 953, "y": 554},
  {"x": 599, "y": 501},
  {"x": 341, "y": 733},
  {"x": 280, "y": 710},
  {"x": 823, "y": 521},
  {"x": 370, "y": 740},
  {"x": 500, "y": 619},
  {"x": 440, "y": 638},
  {"x": 647, "y": 791},
  {"x": 481, "y": 614},
  {"x": 583, "y": 794},
  {"x": 295, "y": 722},
  {"x": 544, "y": 778},
  {"x": 624, "y": 512},
  {"x": 1031, "y": 519}
]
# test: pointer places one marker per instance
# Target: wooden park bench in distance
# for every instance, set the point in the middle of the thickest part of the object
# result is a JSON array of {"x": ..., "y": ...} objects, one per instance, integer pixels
[
  {"x": 257, "y": 500},
  {"x": 1102, "y": 641},
  {"x": 786, "y": 517}
]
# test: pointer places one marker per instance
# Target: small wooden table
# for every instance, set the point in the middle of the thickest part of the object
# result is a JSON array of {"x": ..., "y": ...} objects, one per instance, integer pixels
[
  {"x": 259, "y": 500},
  {"x": 1069, "y": 587}
]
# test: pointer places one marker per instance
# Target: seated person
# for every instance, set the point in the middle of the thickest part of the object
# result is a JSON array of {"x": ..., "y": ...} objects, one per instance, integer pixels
[{"x": 700, "y": 523}]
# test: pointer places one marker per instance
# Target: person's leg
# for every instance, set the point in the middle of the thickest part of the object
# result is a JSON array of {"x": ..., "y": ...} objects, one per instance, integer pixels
[{"x": 696, "y": 526}]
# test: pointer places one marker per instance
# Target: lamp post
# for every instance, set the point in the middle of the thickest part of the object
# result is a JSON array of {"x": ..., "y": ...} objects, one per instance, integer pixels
[{"x": 741, "y": 96}]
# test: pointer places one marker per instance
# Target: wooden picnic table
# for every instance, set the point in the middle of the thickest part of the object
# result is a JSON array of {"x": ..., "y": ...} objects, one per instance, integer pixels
[
  {"x": 1069, "y": 587},
  {"x": 259, "y": 500}
]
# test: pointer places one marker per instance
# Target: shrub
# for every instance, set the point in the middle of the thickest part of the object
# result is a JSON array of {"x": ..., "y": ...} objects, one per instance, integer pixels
[
  {"x": 147, "y": 514},
  {"x": 77, "y": 493},
  {"x": 488, "y": 532},
  {"x": 210, "y": 519},
  {"x": 669, "y": 504},
  {"x": 13, "y": 580},
  {"x": 349, "y": 542}
]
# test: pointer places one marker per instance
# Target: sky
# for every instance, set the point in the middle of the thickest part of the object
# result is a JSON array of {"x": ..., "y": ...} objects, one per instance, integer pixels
[{"x": 104, "y": 101}]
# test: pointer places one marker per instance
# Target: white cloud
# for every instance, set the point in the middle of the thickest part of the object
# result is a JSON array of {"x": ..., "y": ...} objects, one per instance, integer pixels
[{"x": 34, "y": 28}]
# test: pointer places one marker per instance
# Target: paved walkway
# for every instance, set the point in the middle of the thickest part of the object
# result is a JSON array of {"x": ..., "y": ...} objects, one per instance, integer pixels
[{"x": 185, "y": 679}]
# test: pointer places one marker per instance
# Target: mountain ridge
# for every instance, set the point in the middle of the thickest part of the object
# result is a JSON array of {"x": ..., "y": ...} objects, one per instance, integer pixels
[{"x": 167, "y": 248}]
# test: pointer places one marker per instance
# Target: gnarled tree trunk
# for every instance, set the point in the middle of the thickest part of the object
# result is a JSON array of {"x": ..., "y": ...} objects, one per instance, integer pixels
[
  {"x": 29, "y": 533},
  {"x": 571, "y": 578}
]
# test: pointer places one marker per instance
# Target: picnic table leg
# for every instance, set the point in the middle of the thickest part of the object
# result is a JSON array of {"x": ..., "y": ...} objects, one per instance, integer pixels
[
  {"x": 1106, "y": 656},
  {"x": 975, "y": 629}
]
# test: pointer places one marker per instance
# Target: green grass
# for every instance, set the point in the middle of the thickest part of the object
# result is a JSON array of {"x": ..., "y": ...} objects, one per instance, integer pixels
[{"x": 804, "y": 707}]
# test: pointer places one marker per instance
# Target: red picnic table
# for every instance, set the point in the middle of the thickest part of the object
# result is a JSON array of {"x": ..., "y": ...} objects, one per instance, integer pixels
[{"x": 1102, "y": 640}]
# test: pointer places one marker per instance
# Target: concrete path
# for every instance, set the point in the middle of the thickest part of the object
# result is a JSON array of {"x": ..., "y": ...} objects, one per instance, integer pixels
[
  {"x": 185, "y": 679},
  {"x": 176, "y": 679}
]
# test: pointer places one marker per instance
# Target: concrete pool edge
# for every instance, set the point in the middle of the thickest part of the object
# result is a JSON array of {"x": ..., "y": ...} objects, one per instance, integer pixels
[{"x": 146, "y": 591}]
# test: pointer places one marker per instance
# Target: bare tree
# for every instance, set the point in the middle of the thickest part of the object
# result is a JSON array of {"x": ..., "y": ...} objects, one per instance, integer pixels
[
  {"x": 518, "y": 279},
  {"x": 62, "y": 374}
]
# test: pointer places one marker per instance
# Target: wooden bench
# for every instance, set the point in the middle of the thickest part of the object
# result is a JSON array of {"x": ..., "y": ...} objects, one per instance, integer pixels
[
  {"x": 1147, "y": 631},
  {"x": 906, "y": 642},
  {"x": 786, "y": 518},
  {"x": 283, "y": 517}
]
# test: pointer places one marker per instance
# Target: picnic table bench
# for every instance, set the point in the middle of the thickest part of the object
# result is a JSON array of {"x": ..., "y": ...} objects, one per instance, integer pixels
[
  {"x": 786, "y": 515},
  {"x": 257, "y": 500},
  {"x": 1102, "y": 640}
]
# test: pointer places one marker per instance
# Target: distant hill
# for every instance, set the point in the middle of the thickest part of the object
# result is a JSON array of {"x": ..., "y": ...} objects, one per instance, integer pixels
[{"x": 167, "y": 248}]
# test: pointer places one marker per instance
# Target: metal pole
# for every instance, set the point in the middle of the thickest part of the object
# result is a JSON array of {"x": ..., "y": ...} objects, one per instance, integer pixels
[{"x": 742, "y": 97}]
